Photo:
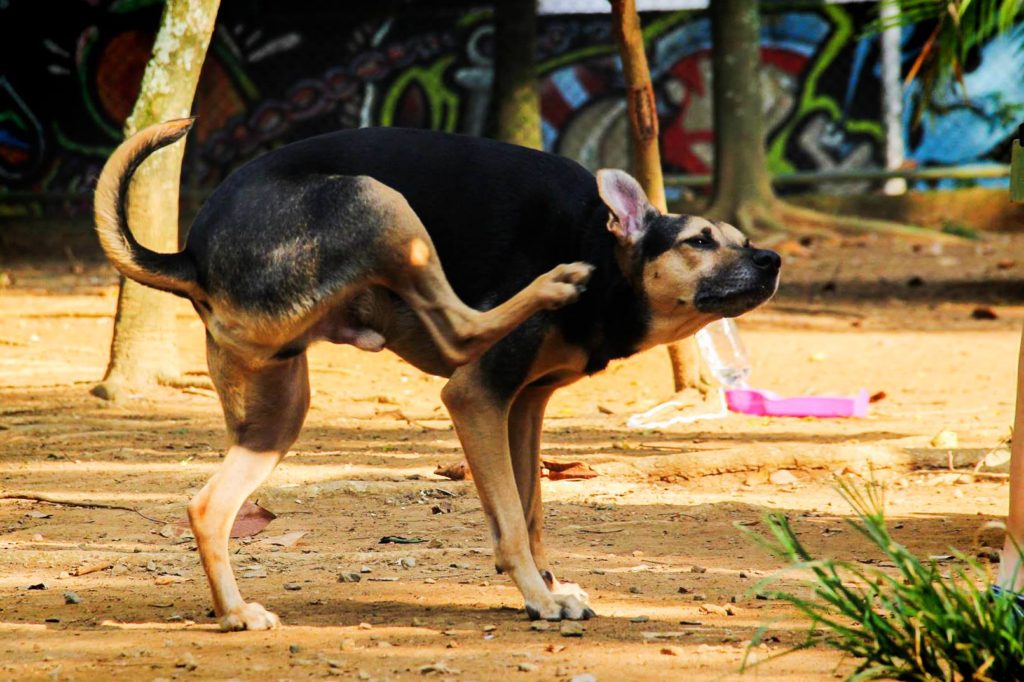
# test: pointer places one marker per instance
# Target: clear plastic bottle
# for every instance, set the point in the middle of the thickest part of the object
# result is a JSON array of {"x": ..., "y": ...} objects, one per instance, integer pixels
[{"x": 722, "y": 349}]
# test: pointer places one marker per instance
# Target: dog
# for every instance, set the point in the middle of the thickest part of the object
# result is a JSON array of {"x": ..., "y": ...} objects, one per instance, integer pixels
[{"x": 548, "y": 274}]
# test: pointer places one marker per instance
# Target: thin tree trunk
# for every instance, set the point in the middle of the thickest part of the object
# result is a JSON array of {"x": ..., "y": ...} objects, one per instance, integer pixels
[
  {"x": 643, "y": 117},
  {"x": 743, "y": 193},
  {"x": 515, "y": 83},
  {"x": 741, "y": 177},
  {"x": 143, "y": 351}
]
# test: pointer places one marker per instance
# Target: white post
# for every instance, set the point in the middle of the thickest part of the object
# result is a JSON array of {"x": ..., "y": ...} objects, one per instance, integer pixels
[{"x": 892, "y": 98}]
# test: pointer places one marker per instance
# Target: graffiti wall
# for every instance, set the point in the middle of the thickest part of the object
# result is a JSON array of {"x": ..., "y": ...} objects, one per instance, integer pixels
[{"x": 282, "y": 71}]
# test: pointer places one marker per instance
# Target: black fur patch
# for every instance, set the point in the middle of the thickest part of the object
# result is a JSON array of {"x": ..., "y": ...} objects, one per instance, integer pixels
[{"x": 660, "y": 236}]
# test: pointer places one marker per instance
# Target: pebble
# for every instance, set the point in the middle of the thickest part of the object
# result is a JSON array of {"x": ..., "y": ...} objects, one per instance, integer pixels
[
  {"x": 700, "y": 597},
  {"x": 698, "y": 569},
  {"x": 684, "y": 590},
  {"x": 429, "y": 581},
  {"x": 72, "y": 598},
  {"x": 38, "y": 537},
  {"x": 460, "y": 566},
  {"x": 598, "y": 571},
  {"x": 527, "y": 667},
  {"x": 490, "y": 628},
  {"x": 672, "y": 651},
  {"x": 294, "y": 648},
  {"x": 292, "y": 587},
  {"x": 634, "y": 589},
  {"x": 187, "y": 661},
  {"x": 365, "y": 569},
  {"x": 639, "y": 619},
  {"x": 407, "y": 562},
  {"x": 585, "y": 677},
  {"x": 349, "y": 578},
  {"x": 540, "y": 626},
  {"x": 365, "y": 626},
  {"x": 571, "y": 628}
]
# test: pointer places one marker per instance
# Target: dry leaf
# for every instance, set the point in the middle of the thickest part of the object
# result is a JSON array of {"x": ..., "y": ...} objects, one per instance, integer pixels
[
  {"x": 558, "y": 471},
  {"x": 251, "y": 519},
  {"x": 286, "y": 540},
  {"x": 170, "y": 579},
  {"x": 456, "y": 472}
]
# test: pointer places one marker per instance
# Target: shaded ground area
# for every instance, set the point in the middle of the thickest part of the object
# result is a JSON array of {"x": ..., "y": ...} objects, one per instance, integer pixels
[{"x": 638, "y": 537}]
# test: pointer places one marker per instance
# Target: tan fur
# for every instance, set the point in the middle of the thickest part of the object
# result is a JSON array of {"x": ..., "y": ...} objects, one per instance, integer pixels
[{"x": 108, "y": 199}]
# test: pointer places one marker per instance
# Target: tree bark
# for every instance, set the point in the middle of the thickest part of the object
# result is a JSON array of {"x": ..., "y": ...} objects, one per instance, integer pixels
[
  {"x": 515, "y": 83},
  {"x": 687, "y": 369},
  {"x": 143, "y": 351},
  {"x": 741, "y": 180},
  {"x": 742, "y": 192}
]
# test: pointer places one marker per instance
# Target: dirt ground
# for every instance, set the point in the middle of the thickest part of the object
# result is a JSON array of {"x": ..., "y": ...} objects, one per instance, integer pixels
[{"x": 652, "y": 538}]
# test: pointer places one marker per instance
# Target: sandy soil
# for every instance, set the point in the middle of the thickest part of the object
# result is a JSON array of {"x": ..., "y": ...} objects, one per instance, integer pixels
[{"x": 851, "y": 315}]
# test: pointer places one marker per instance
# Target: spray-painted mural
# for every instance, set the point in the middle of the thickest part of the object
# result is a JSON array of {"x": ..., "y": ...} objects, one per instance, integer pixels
[{"x": 283, "y": 71}]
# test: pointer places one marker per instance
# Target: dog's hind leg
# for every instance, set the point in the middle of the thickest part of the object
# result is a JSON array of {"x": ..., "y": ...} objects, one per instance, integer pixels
[
  {"x": 264, "y": 408},
  {"x": 525, "y": 423},
  {"x": 481, "y": 421},
  {"x": 413, "y": 270}
]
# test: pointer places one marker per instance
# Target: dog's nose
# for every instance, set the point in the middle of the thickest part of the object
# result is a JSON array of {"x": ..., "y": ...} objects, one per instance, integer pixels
[{"x": 765, "y": 259}]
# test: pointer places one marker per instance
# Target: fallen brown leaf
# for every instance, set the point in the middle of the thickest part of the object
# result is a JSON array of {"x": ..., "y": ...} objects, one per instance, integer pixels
[
  {"x": 456, "y": 472},
  {"x": 558, "y": 471}
]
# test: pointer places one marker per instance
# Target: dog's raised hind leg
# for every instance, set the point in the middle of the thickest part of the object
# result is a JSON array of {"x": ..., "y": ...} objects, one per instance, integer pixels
[
  {"x": 412, "y": 269},
  {"x": 264, "y": 409}
]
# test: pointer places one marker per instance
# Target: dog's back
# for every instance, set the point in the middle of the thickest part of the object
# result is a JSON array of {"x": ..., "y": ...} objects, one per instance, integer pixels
[{"x": 498, "y": 214}]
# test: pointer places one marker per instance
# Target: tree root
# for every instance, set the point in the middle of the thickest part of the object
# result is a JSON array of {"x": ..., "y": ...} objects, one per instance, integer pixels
[
  {"x": 74, "y": 503},
  {"x": 774, "y": 217}
]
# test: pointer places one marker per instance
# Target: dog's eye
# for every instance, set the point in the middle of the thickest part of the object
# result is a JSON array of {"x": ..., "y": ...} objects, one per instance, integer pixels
[{"x": 700, "y": 242}]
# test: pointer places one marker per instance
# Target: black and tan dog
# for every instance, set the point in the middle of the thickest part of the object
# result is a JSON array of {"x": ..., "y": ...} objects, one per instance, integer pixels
[{"x": 342, "y": 237}]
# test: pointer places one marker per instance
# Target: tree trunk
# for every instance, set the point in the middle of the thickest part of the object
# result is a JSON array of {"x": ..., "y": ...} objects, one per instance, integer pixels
[
  {"x": 143, "y": 351},
  {"x": 643, "y": 117},
  {"x": 743, "y": 193},
  {"x": 741, "y": 178},
  {"x": 515, "y": 83}
]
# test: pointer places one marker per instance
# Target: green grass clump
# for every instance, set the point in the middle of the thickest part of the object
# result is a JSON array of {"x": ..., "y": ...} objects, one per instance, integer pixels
[{"x": 912, "y": 623}]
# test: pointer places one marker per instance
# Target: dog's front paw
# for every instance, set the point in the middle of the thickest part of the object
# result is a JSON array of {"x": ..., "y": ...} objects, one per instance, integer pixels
[
  {"x": 561, "y": 607},
  {"x": 564, "y": 284},
  {"x": 251, "y": 616}
]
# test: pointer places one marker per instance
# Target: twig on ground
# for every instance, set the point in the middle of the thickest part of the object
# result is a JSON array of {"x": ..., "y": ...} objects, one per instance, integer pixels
[{"x": 74, "y": 503}]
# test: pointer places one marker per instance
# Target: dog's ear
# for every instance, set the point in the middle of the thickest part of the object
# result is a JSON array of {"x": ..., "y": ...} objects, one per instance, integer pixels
[{"x": 627, "y": 202}]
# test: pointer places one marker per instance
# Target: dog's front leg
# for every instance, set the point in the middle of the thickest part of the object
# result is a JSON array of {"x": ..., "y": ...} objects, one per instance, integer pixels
[
  {"x": 481, "y": 421},
  {"x": 525, "y": 423}
]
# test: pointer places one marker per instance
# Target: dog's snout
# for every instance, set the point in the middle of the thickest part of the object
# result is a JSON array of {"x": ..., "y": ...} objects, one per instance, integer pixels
[{"x": 765, "y": 259}]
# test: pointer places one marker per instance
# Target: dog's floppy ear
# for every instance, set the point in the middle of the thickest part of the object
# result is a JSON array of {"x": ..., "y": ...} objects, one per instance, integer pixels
[{"x": 627, "y": 202}]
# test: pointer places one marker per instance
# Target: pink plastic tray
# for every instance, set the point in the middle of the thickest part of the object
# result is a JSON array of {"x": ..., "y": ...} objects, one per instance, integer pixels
[{"x": 768, "y": 404}]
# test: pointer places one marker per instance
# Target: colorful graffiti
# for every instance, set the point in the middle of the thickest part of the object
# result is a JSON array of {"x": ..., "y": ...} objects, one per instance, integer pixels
[{"x": 276, "y": 73}]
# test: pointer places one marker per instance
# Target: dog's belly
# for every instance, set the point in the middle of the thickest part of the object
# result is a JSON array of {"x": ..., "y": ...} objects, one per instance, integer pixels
[{"x": 376, "y": 319}]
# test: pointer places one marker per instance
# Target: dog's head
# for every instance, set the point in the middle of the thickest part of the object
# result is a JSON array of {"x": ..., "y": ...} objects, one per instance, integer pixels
[{"x": 692, "y": 271}]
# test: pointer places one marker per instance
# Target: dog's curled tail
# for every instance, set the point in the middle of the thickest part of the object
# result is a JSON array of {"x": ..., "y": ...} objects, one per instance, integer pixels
[{"x": 174, "y": 272}]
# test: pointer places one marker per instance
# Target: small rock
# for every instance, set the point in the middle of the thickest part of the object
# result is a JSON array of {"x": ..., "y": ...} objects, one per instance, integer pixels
[
  {"x": 429, "y": 581},
  {"x": 713, "y": 609},
  {"x": 672, "y": 651},
  {"x": 540, "y": 626},
  {"x": 698, "y": 569},
  {"x": 490, "y": 628},
  {"x": 783, "y": 477},
  {"x": 294, "y": 648},
  {"x": 683, "y": 590},
  {"x": 984, "y": 313},
  {"x": 72, "y": 598},
  {"x": 459, "y": 566},
  {"x": 945, "y": 440},
  {"x": 598, "y": 571},
  {"x": 440, "y": 667},
  {"x": 187, "y": 661},
  {"x": 349, "y": 578},
  {"x": 527, "y": 667},
  {"x": 365, "y": 569},
  {"x": 38, "y": 586},
  {"x": 699, "y": 596},
  {"x": 292, "y": 587},
  {"x": 365, "y": 626},
  {"x": 571, "y": 628},
  {"x": 407, "y": 562},
  {"x": 639, "y": 619},
  {"x": 585, "y": 677},
  {"x": 38, "y": 537},
  {"x": 633, "y": 589}
]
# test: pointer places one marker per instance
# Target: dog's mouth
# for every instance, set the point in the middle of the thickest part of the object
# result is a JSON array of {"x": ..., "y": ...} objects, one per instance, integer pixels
[{"x": 737, "y": 291}]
